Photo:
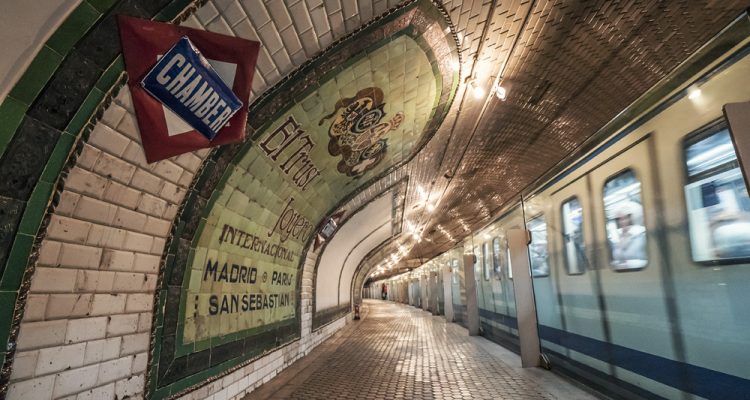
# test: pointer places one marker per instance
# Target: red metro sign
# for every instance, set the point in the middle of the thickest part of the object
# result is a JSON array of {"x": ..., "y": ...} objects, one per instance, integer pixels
[{"x": 164, "y": 130}]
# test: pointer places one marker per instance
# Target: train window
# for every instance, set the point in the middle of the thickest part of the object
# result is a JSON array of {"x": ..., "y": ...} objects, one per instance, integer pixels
[
  {"x": 538, "y": 247},
  {"x": 454, "y": 270},
  {"x": 487, "y": 263},
  {"x": 717, "y": 201},
  {"x": 507, "y": 254},
  {"x": 478, "y": 262},
  {"x": 626, "y": 233},
  {"x": 498, "y": 258},
  {"x": 574, "y": 249}
]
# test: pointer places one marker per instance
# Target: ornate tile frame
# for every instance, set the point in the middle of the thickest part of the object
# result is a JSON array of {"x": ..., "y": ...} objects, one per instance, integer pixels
[{"x": 188, "y": 372}]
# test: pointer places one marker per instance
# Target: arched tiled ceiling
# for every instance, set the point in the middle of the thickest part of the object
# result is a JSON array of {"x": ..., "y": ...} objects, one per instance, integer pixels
[
  {"x": 556, "y": 102},
  {"x": 570, "y": 67}
]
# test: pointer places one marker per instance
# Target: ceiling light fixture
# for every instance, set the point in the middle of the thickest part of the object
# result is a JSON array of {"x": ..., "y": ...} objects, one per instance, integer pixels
[
  {"x": 500, "y": 92},
  {"x": 500, "y": 88},
  {"x": 423, "y": 195},
  {"x": 693, "y": 92},
  {"x": 410, "y": 227},
  {"x": 477, "y": 91}
]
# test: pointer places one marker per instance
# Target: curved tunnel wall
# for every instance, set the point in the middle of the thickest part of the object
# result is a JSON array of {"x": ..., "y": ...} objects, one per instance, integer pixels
[
  {"x": 337, "y": 253},
  {"x": 378, "y": 236},
  {"x": 367, "y": 228},
  {"x": 107, "y": 242}
]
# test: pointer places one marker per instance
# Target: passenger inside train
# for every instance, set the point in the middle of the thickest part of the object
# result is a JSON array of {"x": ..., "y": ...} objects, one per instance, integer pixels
[
  {"x": 629, "y": 245},
  {"x": 625, "y": 231}
]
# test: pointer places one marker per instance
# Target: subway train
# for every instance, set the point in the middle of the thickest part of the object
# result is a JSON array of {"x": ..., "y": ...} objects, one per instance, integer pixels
[{"x": 639, "y": 252}]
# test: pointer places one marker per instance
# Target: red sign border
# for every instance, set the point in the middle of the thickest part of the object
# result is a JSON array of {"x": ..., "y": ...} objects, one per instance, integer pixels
[{"x": 142, "y": 41}]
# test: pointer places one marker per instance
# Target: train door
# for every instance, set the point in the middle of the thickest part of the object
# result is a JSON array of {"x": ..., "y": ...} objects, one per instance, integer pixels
[
  {"x": 715, "y": 236},
  {"x": 478, "y": 261},
  {"x": 627, "y": 257},
  {"x": 513, "y": 220},
  {"x": 434, "y": 297},
  {"x": 510, "y": 294},
  {"x": 499, "y": 270},
  {"x": 417, "y": 294},
  {"x": 439, "y": 288},
  {"x": 458, "y": 286},
  {"x": 541, "y": 228},
  {"x": 414, "y": 292},
  {"x": 486, "y": 277},
  {"x": 576, "y": 281}
]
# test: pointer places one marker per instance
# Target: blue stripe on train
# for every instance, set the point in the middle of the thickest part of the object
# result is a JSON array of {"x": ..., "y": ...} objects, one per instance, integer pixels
[
  {"x": 507, "y": 320},
  {"x": 459, "y": 314},
  {"x": 689, "y": 378}
]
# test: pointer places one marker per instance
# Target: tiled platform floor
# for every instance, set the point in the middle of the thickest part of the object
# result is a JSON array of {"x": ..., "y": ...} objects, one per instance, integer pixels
[{"x": 400, "y": 352}]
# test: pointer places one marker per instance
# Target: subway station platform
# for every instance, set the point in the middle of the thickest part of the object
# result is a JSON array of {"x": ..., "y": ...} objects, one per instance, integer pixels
[
  {"x": 197, "y": 197},
  {"x": 401, "y": 352}
]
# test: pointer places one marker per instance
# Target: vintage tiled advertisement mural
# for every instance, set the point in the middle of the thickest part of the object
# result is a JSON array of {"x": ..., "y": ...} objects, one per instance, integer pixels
[
  {"x": 231, "y": 287},
  {"x": 243, "y": 268}
]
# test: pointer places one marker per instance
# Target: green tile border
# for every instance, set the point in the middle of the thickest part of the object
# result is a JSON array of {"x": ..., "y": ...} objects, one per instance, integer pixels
[
  {"x": 35, "y": 208},
  {"x": 73, "y": 28},
  {"x": 57, "y": 159},
  {"x": 19, "y": 255},
  {"x": 12, "y": 112},
  {"x": 82, "y": 116},
  {"x": 36, "y": 76},
  {"x": 6, "y": 317},
  {"x": 102, "y": 5},
  {"x": 111, "y": 74}
]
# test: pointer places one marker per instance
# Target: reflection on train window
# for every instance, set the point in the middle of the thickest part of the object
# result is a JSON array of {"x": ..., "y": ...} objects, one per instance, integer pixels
[
  {"x": 497, "y": 258},
  {"x": 717, "y": 201},
  {"x": 574, "y": 249},
  {"x": 478, "y": 262},
  {"x": 626, "y": 231},
  {"x": 510, "y": 265},
  {"x": 487, "y": 264},
  {"x": 538, "y": 247},
  {"x": 454, "y": 270}
]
